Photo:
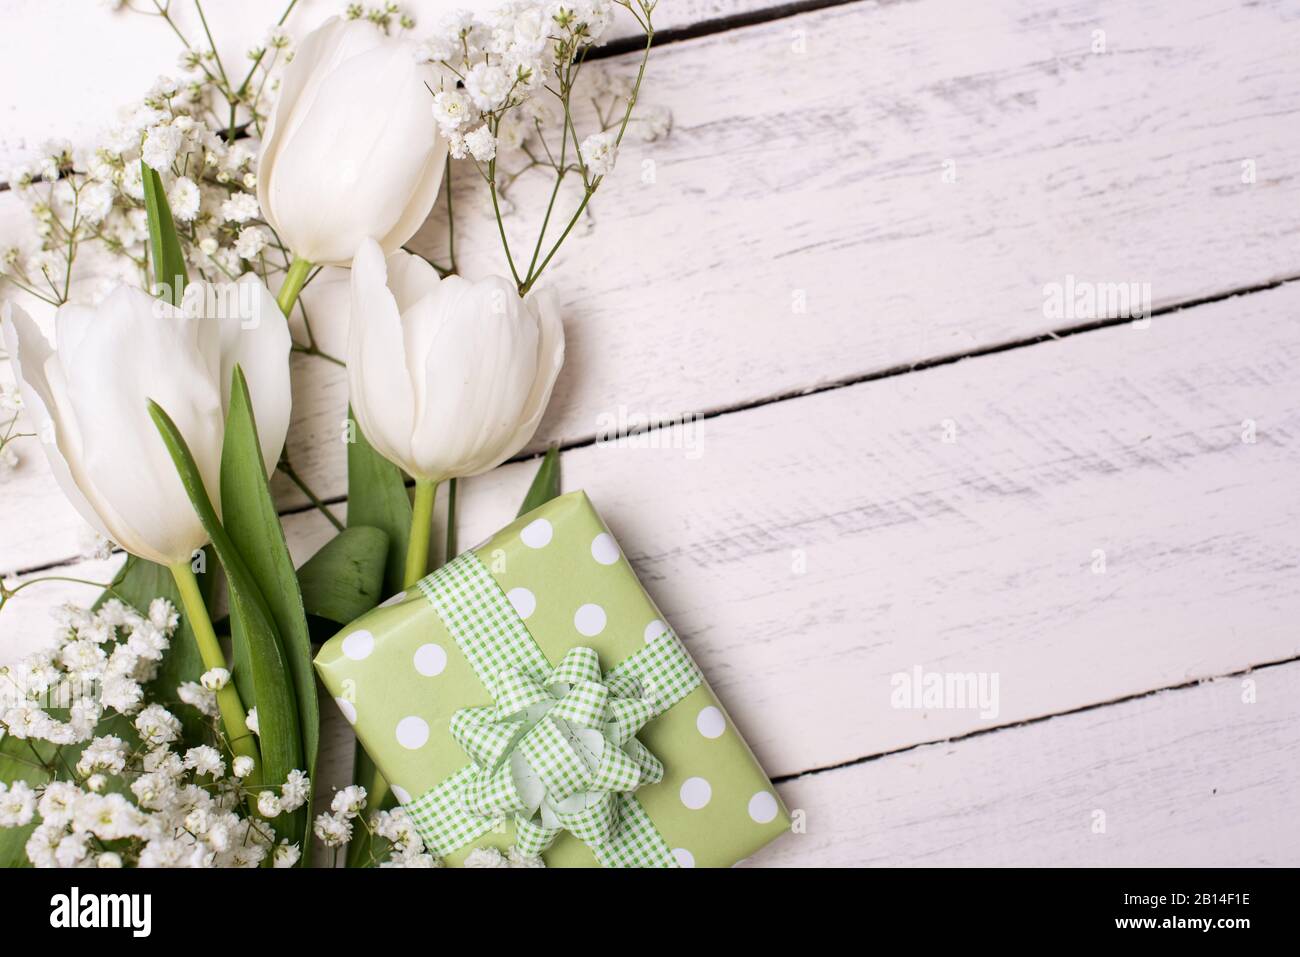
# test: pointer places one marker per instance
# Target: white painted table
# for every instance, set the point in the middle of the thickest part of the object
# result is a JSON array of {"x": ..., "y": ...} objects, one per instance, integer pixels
[{"x": 908, "y": 461}]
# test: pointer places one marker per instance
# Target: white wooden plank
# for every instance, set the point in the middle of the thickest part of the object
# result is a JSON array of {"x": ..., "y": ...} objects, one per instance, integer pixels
[
  {"x": 816, "y": 547},
  {"x": 1195, "y": 777},
  {"x": 67, "y": 43},
  {"x": 819, "y": 175}
]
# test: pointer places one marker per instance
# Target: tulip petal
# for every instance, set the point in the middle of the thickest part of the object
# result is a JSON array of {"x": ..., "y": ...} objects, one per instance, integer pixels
[
  {"x": 550, "y": 358},
  {"x": 357, "y": 158},
  {"x": 138, "y": 349},
  {"x": 319, "y": 52},
  {"x": 257, "y": 340},
  {"x": 378, "y": 381},
  {"x": 35, "y": 365},
  {"x": 479, "y": 374}
]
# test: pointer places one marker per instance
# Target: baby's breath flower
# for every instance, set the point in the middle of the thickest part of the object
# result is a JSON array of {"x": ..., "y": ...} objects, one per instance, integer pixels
[
  {"x": 332, "y": 831},
  {"x": 349, "y": 802},
  {"x": 214, "y": 679},
  {"x": 268, "y": 804},
  {"x": 481, "y": 144},
  {"x": 205, "y": 759},
  {"x": 286, "y": 854},
  {"x": 242, "y": 766},
  {"x": 156, "y": 725},
  {"x": 184, "y": 199},
  {"x": 17, "y": 804},
  {"x": 487, "y": 85},
  {"x": 250, "y": 242},
  {"x": 250, "y": 720},
  {"x": 196, "y": 696},
  {"x": 599, "y": 152},
  {"x": 296, "y": 789},
  {"x": 160, "y": 146},
  {"x": 240, "y": 208}
]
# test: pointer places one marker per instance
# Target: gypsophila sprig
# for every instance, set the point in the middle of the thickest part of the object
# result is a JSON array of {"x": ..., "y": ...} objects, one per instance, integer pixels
[
  {"x": 509, "y": 84},
  {"x": 131, "y": 797}
]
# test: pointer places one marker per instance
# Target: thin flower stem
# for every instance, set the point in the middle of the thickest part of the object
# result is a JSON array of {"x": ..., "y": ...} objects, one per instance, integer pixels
[
  {"x": 233, "y": 715},
  {"x": 287, "y": 468},
  {"x": 417, "y": 549},
  {"x": 293, "y": 283},
  {"x": 450, "y": 552},
  {"x": 451, "y": 222},
  {"x": 243, "y": 87}
]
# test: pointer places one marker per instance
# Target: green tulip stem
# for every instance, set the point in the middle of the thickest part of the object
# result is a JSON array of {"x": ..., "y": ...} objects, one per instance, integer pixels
[
  {"x": 232, "y": 709},
  {"x": 417, "y": 564},
  {"x": 293, "y": 283},
  {"x": 417, "y": 549}
]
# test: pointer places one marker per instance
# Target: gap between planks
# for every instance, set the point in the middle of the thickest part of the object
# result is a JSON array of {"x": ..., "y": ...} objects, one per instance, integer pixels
[{"x": 1055, "y": 335}]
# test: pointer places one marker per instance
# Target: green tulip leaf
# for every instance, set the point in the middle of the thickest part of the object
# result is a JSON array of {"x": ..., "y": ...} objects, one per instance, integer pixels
[
  {"x": 377, "y": 497},
  {"x": 257, "y": 646},
  {"x": 165, "y": 253},
  {"x": 345, "y": 579},
  {"x": 546, "y": 483},
  {"x": 254, "y": 526}
]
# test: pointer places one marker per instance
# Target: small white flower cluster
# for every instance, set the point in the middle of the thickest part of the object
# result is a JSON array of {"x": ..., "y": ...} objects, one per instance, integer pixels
[
  {"x": 136, "y": 796},
  {"x": 95, "y": 198},
  {"x": 336, "y": 828},
  {"x": 491, "y": 857},
  {"x": 494, "y": 61},
  {"x": 101, "y": 662}
]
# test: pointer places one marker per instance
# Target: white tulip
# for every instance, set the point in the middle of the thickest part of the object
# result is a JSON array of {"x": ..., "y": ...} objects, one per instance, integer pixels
[
  {"x": 448, "y": 378},
  {"x": 351, "y": 151},
  {"x": 88, "y": 399}
]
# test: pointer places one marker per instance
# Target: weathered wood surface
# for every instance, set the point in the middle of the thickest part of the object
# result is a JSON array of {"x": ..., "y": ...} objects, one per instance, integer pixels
[
  {"x": 1088, "y": 519},
  {"x": 778, "y": 196}
]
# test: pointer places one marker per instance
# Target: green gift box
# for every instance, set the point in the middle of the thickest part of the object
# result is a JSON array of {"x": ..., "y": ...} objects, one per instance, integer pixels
[{"x": 529, "y": 694}]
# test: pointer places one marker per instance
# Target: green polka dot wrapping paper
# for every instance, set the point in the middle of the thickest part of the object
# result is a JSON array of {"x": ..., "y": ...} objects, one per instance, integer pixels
[{"x": 529, "y": 694}]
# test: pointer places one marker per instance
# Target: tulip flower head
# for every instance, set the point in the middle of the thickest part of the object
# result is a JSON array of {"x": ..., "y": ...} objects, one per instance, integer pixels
[
  {"x": 350, "y": 151},
  {"x": 88, "y": 397},
  {"x": 448, "y": 378}
]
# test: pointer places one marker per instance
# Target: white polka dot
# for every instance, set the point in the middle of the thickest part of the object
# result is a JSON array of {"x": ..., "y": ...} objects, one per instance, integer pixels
[
  {"x": 711, "y": 722},
  {"x": 358, "y": 645},
  {"x": 654, "y": 630},
  {"x": 603, "y": 549},
  {"x": 525, "y": 602},
  {"x": 695, "y": 793},
  {"x": 430, "y": 659},
  {"x": 589, "y": 620},
  {"x": 537, "y": 534},
  {"x": 403, "y": 796},
  {"x": 395, "y": 600},
  {"x": 684, "y": 857},
  {"x": 412, "y": 732},
  {"x": 348, "y": 708},
  {"x": 762, "y": 807}
]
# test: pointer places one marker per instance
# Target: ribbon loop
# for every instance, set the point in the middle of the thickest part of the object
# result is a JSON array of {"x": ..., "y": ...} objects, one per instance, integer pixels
[{"x": 558, "y": 755}]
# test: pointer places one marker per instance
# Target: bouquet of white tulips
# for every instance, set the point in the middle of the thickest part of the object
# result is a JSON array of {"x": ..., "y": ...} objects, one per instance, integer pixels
[{"x": 175, "y": 722}]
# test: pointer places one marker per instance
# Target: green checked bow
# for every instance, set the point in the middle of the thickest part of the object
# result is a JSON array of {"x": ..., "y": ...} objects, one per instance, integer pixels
[
  {"x": 556, "y": 754},
  {"x": 557, "y": 749}
]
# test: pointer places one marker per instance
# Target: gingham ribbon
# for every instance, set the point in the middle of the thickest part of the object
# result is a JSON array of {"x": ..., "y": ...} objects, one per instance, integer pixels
[{"x": 557, "y": 750}]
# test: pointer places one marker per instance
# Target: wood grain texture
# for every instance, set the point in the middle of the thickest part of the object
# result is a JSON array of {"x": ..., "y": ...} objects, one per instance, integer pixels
[
  {"x": 1189, "y": 778},
  {"x": 816, "y": 547},
  {"x": 1087, "y": 519},
  {"x": 819, "y": 175}
]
